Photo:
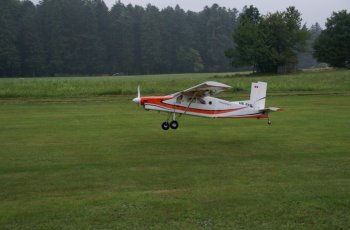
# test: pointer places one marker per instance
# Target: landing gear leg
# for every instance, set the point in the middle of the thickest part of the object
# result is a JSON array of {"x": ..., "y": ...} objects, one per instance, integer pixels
[{"x": 174, "y": 124}]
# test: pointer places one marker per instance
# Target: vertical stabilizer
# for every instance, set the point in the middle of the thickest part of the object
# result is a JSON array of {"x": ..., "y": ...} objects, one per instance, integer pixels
[{"x": 258, "y": 94}]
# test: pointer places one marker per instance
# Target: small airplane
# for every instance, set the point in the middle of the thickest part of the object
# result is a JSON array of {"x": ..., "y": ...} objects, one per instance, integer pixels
[{"x": 198, "y": 101}]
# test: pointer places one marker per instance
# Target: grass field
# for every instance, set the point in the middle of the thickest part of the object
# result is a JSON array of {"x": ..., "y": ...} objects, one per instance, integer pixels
[
  {"x": 100, "y": 162},
  {"x": 311, "y": 82}
]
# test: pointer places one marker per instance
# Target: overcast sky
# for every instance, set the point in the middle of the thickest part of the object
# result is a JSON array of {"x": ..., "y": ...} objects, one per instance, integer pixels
[{"x": 312, "y": 10}]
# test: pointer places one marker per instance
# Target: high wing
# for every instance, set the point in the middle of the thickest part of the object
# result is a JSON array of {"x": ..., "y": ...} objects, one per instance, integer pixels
[{"x": 205, "y": 89}]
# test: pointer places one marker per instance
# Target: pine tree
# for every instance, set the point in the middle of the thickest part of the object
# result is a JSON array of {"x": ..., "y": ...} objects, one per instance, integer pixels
[
  {"x": 218, "y": 24},
  {"x": 70, "y": 30},
  {"x": 101, "y": 14},
  {"x": 305, "y": 58},
  {"x": 30, "y": 47},
  {"x": 9, "y": 54},
  {"x": 151, "y": 41}
]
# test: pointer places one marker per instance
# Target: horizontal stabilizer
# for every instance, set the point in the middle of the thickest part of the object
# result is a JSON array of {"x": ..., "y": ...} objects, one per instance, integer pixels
[{"x": 271, "y": 109}]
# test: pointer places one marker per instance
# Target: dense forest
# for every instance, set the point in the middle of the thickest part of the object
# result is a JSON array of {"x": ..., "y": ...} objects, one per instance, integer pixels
[{"x": 84, "y": 37}]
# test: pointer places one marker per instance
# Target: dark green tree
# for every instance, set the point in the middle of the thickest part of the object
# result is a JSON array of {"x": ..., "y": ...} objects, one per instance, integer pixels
[
  {"x": 333, "y": 44},
  {"x": 177, "y": 39},
  {"x": 70, "y": 30},
  {"x": 127, "y": 39},
  {"x": 189, "y": 60},
  {"x": 217, "y": 25},
  {"x": 247, "y": 39},
  {"x": 151, "y": 41},
  {"x": 269, "y": 43},
  {"x": 305, "y": 58},
  {"x": 116, "y": 47},
  {"x": 10, "y": 64},
  {"x": 29, "y": 44},
  {"x": 138, "y": 13},
  {"x": 101, "y": 14}
]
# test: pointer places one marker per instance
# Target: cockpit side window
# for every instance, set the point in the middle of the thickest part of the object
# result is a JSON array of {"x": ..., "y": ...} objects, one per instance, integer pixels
[
  {"x": 202, "y": 101},
  {"x": 179, "y": 99}
]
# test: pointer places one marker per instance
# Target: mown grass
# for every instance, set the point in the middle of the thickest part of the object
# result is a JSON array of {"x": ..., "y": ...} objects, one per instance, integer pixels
[
  {"x": 334, "y": 81},
  {"x": 104, "y": 163}
]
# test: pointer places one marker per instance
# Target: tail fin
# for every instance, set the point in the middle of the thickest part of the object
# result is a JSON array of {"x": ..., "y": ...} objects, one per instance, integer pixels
[{"x": 258, "y": 94}]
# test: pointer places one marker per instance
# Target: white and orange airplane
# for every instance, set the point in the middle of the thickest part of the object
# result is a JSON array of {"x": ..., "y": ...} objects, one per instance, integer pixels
[{"x": 198, "y": 101}]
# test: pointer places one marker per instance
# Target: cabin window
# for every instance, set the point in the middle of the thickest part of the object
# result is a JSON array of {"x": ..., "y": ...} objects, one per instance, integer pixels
[
  {"x": 200, "y": 100},
  {"x": 210, "y": 103},
  {"x": 179, "y": 99}
]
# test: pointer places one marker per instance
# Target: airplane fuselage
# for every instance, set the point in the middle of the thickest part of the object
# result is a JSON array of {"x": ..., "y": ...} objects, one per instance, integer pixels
[{"x": 204, "y": 107}]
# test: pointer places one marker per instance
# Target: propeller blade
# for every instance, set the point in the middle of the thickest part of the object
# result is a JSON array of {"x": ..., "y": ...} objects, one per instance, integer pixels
[
  {"x": 138, "y": 92},
  {"x": 137, "y": 99}
]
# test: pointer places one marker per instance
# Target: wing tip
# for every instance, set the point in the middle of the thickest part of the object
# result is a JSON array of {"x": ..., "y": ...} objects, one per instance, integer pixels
[{"x": 217, "y": 84}]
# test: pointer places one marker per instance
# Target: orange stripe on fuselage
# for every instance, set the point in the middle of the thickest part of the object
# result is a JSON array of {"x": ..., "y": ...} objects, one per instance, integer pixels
[
  {"x": 154, "y": 99},
  {"x": 158, "y": 100}
]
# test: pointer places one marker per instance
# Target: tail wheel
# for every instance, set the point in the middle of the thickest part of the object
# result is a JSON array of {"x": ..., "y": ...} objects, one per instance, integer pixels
[
  {"x": 165, "y": 125},
  {"x": 174, "y": 124}
]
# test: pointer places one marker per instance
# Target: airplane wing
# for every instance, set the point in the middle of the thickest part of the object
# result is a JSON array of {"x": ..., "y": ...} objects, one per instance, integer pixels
[{"x": 205, "y": 89}]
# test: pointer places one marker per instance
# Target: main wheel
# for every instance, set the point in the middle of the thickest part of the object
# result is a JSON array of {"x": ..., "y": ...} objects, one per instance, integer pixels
[
  {"x": 269, "y": 122},
  {"x": 174, "y": 124},
  {"x": 165, "y": 125}
]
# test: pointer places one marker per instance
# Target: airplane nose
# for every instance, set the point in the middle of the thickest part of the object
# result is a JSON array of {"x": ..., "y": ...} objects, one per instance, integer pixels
[{"x": 136, "y": 100}]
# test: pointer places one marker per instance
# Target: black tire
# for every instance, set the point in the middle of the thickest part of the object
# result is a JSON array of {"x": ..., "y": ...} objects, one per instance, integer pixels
[
  {"x": 165, "y": 125},
  {"x": 269, "y": 123},
  {"x": 174, "y": 124}
]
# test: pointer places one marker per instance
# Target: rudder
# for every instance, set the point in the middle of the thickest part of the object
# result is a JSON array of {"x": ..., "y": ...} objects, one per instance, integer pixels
[{"x": 258, "y": 94}]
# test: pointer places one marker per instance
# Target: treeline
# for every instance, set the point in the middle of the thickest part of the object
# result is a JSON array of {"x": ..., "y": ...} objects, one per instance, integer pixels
[{"x": 84, "y": 37}]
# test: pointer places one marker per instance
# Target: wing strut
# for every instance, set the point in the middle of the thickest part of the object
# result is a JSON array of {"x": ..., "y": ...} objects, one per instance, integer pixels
[{"x": 192, "y": 99}]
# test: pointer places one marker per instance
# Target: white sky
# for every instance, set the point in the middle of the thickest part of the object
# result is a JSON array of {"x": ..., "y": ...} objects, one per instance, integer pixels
[{"x": 312, "y": 10}]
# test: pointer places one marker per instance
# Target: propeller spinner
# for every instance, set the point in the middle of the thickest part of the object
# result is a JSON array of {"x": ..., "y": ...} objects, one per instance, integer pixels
[{"x": 137, "y": 99}]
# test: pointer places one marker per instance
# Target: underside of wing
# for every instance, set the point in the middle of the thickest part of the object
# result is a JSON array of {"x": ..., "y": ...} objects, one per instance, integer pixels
[{"x": 205, "y": 89}]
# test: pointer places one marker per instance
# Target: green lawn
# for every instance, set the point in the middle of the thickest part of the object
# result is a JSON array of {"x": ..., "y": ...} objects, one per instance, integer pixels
[
  {"x": 104, "y": 163},
  {"x": 337, "y": 81}
]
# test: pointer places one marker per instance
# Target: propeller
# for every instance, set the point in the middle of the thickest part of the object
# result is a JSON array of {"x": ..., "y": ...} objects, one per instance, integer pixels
[{"x": 137, "y": 99}]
